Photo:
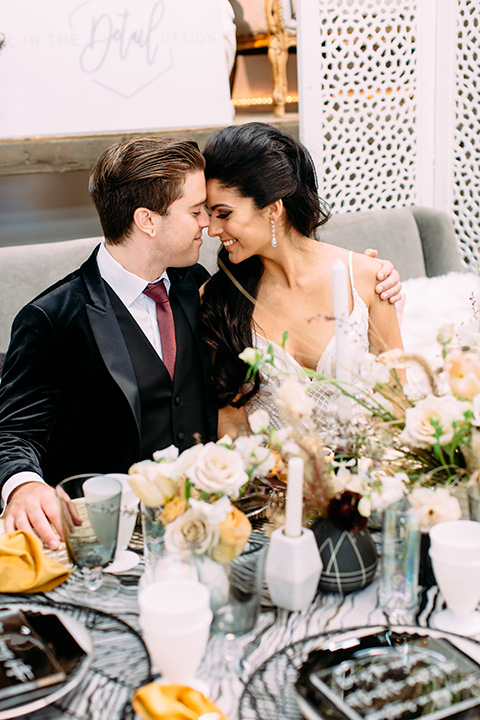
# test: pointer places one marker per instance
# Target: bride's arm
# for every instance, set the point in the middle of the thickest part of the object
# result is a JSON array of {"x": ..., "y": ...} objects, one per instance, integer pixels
[{"x": 383, "y": 328}]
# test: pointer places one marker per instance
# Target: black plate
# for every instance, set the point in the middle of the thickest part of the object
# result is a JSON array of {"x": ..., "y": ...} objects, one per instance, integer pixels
[
  {"x": 390, "y": 674},
  {"x": 271, "y": 693}
]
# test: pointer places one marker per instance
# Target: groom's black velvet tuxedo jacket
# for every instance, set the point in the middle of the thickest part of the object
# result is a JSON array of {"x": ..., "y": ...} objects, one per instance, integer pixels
[{"x": 80, "y": 379}]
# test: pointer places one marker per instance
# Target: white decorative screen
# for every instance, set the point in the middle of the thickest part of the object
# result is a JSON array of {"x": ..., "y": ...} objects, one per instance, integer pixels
[
  {"x": 390, "y": 106},
  {"x": 466, "y": 152},
  {"x": 369, "y": 100}
]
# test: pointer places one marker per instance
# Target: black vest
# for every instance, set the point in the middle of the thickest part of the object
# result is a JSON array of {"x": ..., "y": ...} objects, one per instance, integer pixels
[{"x": 172, "y": 413}]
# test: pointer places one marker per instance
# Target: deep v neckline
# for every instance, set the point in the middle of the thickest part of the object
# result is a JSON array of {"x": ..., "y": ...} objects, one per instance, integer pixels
[
  {"x": 329, "y": 347},
  {"x": 290, "y": 357}
]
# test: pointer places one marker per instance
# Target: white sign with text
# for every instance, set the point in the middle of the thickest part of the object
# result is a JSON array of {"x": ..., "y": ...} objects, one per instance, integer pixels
[{"x": 86, "y": 66}]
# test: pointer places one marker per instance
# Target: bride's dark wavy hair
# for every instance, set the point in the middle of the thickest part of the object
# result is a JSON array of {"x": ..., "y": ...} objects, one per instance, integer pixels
[{"x": 263, "y": 163}]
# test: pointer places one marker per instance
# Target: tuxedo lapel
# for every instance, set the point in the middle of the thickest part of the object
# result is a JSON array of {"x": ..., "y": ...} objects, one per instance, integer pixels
[
  {"x": 186, "y": 290},
  {"x": 108, "y": 336}
]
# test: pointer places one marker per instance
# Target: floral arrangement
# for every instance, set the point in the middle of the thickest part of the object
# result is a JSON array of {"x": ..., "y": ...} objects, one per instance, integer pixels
[
  {"x": 192, "y": 494},
  {"x": 401, "y": 441},
  {"x": 417, "y": 441}
]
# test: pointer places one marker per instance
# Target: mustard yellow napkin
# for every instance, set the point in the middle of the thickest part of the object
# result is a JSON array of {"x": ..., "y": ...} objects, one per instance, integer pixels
[
  {"x": 172, "y": 702},
  {"x": 24, "y": 567}
]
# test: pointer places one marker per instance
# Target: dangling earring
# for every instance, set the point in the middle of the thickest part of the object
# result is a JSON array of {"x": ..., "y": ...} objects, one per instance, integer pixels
[{"x": 274, "y": 239}]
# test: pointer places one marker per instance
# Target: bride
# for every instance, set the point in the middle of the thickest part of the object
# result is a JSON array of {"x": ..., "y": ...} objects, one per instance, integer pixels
[{"x": 263, "y": 201}]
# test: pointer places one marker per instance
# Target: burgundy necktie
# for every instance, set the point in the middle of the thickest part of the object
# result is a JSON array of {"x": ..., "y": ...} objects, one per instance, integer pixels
[{"x": 158, "y": 293}]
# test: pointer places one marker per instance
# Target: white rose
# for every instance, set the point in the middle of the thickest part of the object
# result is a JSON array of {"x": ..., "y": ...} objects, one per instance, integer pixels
[
  {"x": 291, "y": 448},
  {"x": 180, "y": 467},
  {"x": 292, "y": 397},
  {"x": 191, "y": 532},
  {"x": 445, "y": 334},
  {"x": 246, "y": 444},
  {"x": 150, "y": 483},
  {"x": 259, "y": 421},
  {"x": 282, "y": 435},
  {"x": 372, "y": 371},
  {"x": 419, "y": 431},
  {"x": 388, "y": 489},
  {"x": 262, "y": 461},
  {"x": 216, "y": 512},
  {"x": 346, "y": 480},
  {"x": 394, "y": 359},
  {"x": 225, "y": 440},
  {"x": 257, "y": 459},
  {"x": 169, "y": 454},
  {"x": 251, "y": 356},
  {"x": 435, "y": 505},
  {"x": 216, "y": 469}
]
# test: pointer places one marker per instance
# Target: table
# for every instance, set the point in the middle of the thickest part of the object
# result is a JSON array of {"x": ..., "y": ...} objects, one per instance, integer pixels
[{"x": 274, "y": 630}]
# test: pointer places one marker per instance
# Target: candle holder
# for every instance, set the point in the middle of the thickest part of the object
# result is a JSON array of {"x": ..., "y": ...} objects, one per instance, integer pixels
[{"x": 293, "y": 569}]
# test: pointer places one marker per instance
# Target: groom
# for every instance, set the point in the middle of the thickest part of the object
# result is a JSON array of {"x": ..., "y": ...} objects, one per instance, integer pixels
[
  {"x": 85, "y": 387},
  {"x": 100, "y": 372}
]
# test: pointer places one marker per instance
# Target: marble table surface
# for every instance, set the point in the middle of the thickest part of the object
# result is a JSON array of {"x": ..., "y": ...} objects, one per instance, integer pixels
[{"x": 227, "y": 666}]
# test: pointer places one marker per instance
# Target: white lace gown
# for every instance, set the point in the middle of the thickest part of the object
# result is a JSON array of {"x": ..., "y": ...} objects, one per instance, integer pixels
[{"x": 324, "y": 395}]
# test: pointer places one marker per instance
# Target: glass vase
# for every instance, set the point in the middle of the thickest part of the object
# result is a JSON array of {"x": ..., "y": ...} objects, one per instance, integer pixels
[{"x": 159, "y": 564}]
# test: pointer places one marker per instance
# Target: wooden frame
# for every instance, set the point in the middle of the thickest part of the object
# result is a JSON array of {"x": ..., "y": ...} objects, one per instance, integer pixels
[
  {"x": 64, "y": 153},
  {"x": 279, "y": 41}
]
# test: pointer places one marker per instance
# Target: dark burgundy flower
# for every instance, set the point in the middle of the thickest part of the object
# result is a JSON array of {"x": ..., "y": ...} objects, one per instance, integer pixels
[{"x": 343, "y": 511}]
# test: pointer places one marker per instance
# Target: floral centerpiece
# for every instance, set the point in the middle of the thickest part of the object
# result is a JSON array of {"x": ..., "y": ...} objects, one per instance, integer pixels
[
  {"x": 193, "y": 525},
  {"x": 421, "y": 440},
  {"x": 192, "y": 496}
]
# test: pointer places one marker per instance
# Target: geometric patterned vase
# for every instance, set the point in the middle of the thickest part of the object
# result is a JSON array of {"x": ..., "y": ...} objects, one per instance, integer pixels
[{"x": 349, "y": 557}]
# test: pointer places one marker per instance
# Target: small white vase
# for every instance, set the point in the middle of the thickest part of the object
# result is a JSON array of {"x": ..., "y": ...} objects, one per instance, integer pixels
[{"x": 293, "y": 569}]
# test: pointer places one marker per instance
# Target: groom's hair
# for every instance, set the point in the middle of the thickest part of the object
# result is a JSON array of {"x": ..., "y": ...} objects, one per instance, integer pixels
[{"x": 141, "y": 172}]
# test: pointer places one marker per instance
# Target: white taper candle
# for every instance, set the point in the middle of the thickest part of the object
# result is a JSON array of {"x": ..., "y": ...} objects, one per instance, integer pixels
[
  {"x": 294, "y": 500},
  {"x": 342, "y": 339}
]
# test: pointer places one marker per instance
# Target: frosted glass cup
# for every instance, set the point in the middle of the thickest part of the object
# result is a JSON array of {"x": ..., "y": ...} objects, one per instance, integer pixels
[
  {"x": 175, "y": 619},
  {"x": 459, "y": 583},
  {"x": 455, "y": 540},
  {"x": 173, "y": 602}
]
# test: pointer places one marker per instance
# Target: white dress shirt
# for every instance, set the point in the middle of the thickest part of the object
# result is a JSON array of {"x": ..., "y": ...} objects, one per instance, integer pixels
[{"x": 129, "y": 288}]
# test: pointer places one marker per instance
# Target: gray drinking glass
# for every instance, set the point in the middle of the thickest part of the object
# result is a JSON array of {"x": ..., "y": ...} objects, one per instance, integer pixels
[{"x": 90, "y": 510}]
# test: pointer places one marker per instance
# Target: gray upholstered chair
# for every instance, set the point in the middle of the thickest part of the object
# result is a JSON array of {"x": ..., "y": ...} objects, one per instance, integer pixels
[{"x": 419, "y": 241}]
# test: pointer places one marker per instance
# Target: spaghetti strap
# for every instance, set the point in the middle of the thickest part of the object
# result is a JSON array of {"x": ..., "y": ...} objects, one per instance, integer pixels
[{"x": 350, "y": 268}]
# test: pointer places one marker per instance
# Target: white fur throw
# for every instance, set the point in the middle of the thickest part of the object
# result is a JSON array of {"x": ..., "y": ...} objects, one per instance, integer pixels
[{"x": 433, "y": 302}]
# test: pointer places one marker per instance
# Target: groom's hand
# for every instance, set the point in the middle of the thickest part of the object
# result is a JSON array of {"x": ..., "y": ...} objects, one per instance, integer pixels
[
  {"x": 389, "y": 286},
  {"x": 33, "y": 507}
]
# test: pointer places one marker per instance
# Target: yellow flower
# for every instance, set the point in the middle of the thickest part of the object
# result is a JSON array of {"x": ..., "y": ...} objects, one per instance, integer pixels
[
  {"x": 173, "y": 509},
  {"x": 463, "y": 369},
  {"x": 234, "y": 532},
  {"x": 150, "y": 484}
]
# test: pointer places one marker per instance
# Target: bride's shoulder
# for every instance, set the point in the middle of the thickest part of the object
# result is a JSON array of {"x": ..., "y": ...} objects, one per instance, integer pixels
[
  {"x": 365, "y": 276},
  {"x": 363, "y": 265}
]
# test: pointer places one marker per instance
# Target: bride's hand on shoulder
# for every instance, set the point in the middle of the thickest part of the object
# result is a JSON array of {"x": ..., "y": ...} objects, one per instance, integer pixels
[{"x": 388, "y": 285}]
